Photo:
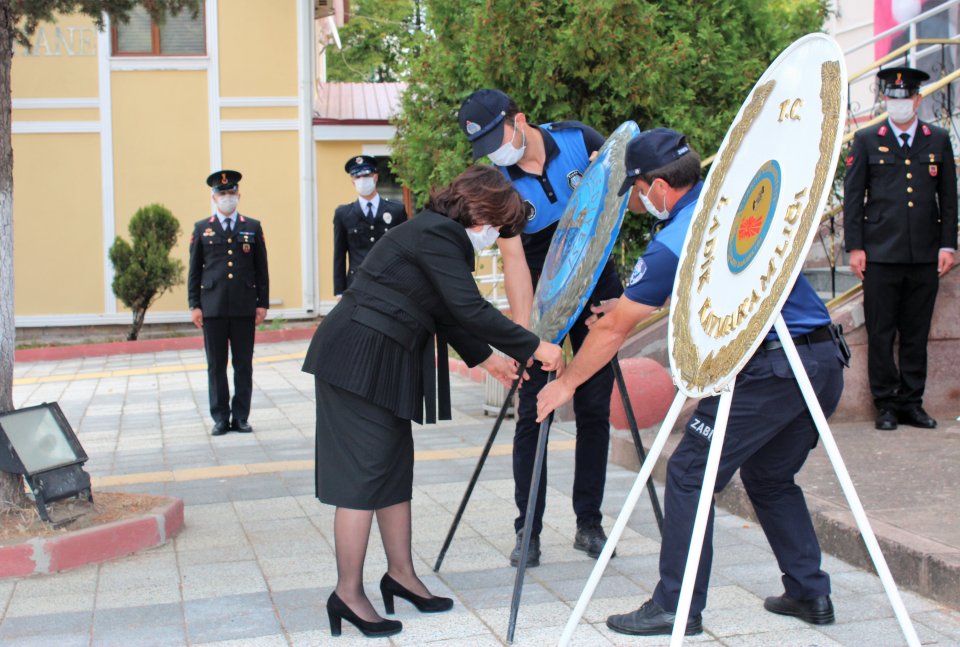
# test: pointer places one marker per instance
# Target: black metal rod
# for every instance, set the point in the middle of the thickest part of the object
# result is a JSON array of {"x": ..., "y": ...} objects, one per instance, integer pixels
[
  {"x": 476, "y": 473},
  {"x": 528, "y": 519},
  {"x": 635, "y": 432}
]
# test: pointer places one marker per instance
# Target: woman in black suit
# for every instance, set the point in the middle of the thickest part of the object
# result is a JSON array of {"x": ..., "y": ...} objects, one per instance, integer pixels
[{"x": 373, "y": 363}]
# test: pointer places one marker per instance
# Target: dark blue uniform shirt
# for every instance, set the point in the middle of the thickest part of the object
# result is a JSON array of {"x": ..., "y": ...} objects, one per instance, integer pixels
[{"x": 652, "y": 280}]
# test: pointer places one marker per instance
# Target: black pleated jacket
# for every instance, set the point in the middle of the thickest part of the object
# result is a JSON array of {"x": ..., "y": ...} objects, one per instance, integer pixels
[{"x": 416, "y": 281}]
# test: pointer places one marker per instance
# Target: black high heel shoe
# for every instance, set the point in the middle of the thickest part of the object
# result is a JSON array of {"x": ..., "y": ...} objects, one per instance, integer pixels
[
  {"x": 389, "y": 587},
  {"x": 337, "y": 610}
]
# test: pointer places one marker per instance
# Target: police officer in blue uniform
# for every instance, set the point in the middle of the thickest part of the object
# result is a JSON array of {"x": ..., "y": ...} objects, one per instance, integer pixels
[
  {"x": 900, "y": 229},
  {"x": 545, "y": 164},
  {"x": 769, "y": 432},
  {"x": 228, "y": 289},
  {"x": 358, "y": 225}
]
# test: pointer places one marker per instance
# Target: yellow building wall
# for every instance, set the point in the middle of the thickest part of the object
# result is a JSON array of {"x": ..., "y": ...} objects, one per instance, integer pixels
[
  {"x": 258, "y": 48},
  {"x": 57, "y": 114},
  {"x": 57, "y": 224},
  {"x": 71, "y": 41},
  {"x": 270, "y": 192},
  {"x": 161, "y": 151},
  {"x": 278, "y": 112}
]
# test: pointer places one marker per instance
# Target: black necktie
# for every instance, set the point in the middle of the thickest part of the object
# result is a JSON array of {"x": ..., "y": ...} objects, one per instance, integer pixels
[
  {"x": 228, "y": 224},
  {"x": 370, "y": 211},
  {"x": 905, "y": 138}
]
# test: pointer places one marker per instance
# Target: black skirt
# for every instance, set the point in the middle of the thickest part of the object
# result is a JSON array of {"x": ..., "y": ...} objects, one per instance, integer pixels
[{"x": 364, "y": 453}]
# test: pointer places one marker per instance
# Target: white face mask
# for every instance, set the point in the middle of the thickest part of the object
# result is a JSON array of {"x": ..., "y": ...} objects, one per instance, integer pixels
[
  {"x": 507, "y": 155},
  {"x": 901, "y": 110},
  {"x": 483, "y": 238},
  {"x": 365, "y": 185},
  {"x": 648, "y": 205},
  {"x": 227, "y": 204}
]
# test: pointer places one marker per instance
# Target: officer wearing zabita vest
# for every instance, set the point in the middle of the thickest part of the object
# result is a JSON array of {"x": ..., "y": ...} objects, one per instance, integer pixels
[
  {"x": 228, "y": 288},
  {"x": 545, "y": 164},
  {"x": 900, "y": 229},
  {"x": 358, "y": 225},
  {"x": 769, "y": 431}
]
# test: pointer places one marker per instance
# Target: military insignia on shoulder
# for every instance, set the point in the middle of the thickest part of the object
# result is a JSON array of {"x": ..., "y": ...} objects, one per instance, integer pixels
[
  {"x": 531, "y": 210},
  {"x": 388, "y": 217},
  {"x": 933, "y": 170},
  {"x": 573, "y": 179},
  {"x": 209, "y": 232},
  {"x": 926, "y": 129},
  {"x": 882, "y": 131}
]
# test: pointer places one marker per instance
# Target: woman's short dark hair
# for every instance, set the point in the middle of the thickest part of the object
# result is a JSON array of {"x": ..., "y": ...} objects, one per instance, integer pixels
[
  {"x": 481, "y": 195},
  {"x": 679, "y": 173}
]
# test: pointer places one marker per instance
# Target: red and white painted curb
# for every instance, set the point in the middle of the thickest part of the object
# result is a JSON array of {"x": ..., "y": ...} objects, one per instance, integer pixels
[{"x": 93, "y": 545}]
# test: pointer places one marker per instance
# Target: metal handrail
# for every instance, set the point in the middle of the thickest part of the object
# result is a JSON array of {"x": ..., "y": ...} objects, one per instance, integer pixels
[
  {"x": 897, "y": 53},
  {"x": 909, "y": 24}
]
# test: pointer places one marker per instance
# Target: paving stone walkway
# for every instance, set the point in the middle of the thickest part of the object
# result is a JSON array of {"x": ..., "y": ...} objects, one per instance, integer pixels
[{"x": 255, "y": 564}]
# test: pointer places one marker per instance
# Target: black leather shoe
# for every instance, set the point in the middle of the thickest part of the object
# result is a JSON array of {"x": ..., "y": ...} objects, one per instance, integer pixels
[
  {"x": 337, "y": 610},
  {"x": 886, "y": 420},
  {"x": 818, "y": 611},
  {"x": 917, "y": 417},
  {"x": 533, "y": 555},
  {"x": 591, "y": 539},
  {"x": 220, "y": 428},
  {"x": 651, "y": 620},
  {"x": 389, "y": 587},
  {"x": 242, "y": 426}
]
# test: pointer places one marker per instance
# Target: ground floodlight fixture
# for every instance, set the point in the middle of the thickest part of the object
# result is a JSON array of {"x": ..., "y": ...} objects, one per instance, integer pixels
[{"x": 39, "y": 443}]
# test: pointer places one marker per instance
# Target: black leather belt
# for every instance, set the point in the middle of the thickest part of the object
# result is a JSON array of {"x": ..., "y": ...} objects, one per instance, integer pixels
[{"x": 824, "y": 333}]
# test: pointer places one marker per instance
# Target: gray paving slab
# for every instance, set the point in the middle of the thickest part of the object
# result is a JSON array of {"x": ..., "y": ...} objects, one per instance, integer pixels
[
  {"x": 254, "y": 564},
  {"x": 156, "y": 625}
]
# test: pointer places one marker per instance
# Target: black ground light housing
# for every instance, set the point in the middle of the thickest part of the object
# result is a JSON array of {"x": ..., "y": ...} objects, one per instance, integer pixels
[{"x": 39, "y": 443}]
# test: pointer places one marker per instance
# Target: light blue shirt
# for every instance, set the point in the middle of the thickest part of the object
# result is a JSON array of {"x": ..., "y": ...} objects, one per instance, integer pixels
[{"x": 375, "y": 201}]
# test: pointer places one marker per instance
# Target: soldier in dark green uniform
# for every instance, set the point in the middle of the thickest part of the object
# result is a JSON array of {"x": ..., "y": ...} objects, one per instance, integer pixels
[
  {"x": 361, "y": 223},
  {"x": 229, "y": 291},
  {"x": 900, "y": 224}
]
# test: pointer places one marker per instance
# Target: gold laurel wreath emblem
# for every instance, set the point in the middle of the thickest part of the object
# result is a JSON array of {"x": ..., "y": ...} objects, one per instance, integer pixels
[{"x": 697, "y": 373}]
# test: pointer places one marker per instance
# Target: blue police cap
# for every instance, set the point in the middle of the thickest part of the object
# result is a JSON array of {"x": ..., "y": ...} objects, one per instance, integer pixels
[
  {"x": 482, "y": 116},
  {"x": 361, "y": 165},
  {"x": 901, "y": 82},
  {"x": 223, "y": 180},
  {"x": 652, "y": 150}
]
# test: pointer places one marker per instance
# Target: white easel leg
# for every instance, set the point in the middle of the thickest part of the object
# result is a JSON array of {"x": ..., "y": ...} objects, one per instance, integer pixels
[
  {"x": 700, "y": 523},
  {"x": 638, "y": 485},
  {"x": 826, "y": 436}
]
